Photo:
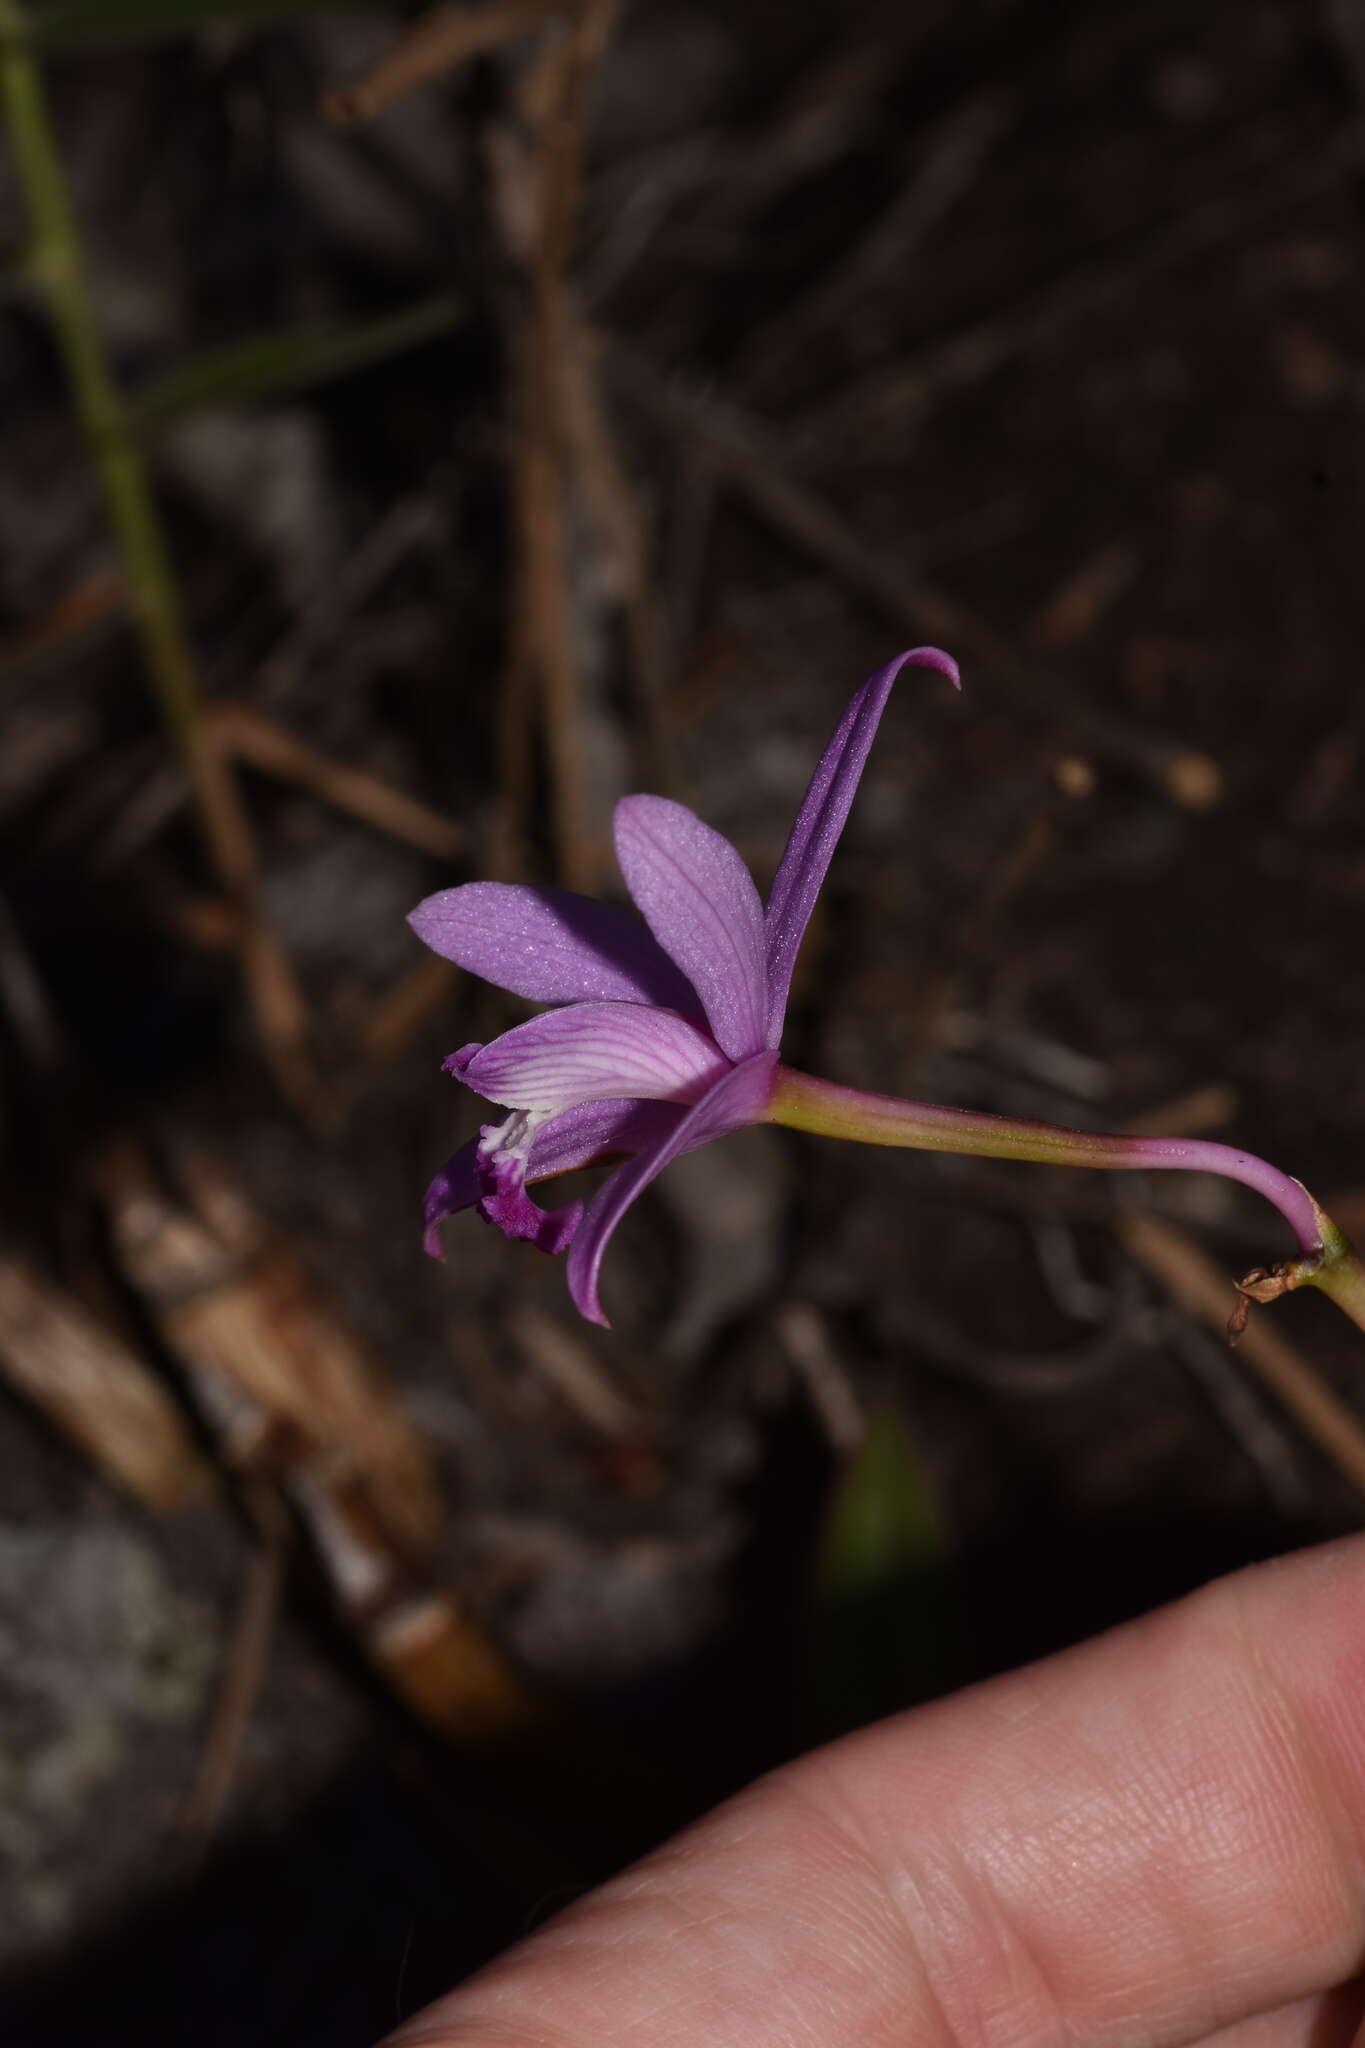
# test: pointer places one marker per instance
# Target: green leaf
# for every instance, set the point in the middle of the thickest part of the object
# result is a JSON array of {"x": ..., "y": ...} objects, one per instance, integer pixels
[
  {"x": 882, "y": 1621},
  {"x": 264, "y": 365},
  {"x": 69, "y": 22}
]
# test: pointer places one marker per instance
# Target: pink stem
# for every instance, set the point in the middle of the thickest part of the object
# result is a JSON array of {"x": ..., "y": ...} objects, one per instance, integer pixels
[{"x": 808, "y": 1104}]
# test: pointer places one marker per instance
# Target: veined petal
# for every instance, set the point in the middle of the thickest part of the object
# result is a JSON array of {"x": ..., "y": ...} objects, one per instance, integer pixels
[
  {"x": 550, "y": 945},
  {"x": 699, "y": 900},
  {"x": 821, "y": 819},
  {"x": 738, "y": 1098},
  {"x": 592, "y": 1052},
  {"x": 580, "y": 1136}
]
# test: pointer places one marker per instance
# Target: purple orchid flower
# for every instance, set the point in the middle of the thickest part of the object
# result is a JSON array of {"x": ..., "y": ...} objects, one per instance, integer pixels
[{"x": 665, "y": 1034}]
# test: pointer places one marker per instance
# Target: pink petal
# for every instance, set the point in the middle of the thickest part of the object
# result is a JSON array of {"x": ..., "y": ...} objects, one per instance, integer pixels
[
  {"x": 738, "y": 1098},
  {"x": 820, "y": 821},
  {"x": 699, "y": 900},
  {"x": 550, "y": 945},
  {"x": 591, "y": 1052}
]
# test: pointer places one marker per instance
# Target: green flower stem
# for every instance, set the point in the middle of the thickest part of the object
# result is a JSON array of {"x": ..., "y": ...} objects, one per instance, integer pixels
[
  {"x": 1340, "y": 1274},
  {"x": 55, "y": 262},
  {"x": 1327, "y": 1259}
]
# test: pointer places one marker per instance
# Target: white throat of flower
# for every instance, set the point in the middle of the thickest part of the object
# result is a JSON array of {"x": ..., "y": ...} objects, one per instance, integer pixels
[{"x": 507, "y": 1146}]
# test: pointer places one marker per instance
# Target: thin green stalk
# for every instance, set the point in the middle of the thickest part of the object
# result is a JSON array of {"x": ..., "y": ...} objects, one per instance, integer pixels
[
  {"x": 55, "y": 260},
  {"x": 1339, "y": 1273}
]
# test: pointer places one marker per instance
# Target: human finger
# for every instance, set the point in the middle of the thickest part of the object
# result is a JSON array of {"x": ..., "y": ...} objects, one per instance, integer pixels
[{"x": 1142, "y": 1841}]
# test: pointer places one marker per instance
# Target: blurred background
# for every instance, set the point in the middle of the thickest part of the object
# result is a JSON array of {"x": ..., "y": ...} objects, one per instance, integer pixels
[{"x": 419, "y": 430}]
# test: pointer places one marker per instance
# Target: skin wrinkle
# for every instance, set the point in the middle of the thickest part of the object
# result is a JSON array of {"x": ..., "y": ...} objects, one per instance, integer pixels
[
  {"x": 658, "y": 1917},
  {"x": 953, "y": 1911},
  {"x": 1303, "y": 1751},
  {"x": 817, "y": 1856},
  {"x": 1015, "y": 1860},
  {"x": 832, "y": 1809}
]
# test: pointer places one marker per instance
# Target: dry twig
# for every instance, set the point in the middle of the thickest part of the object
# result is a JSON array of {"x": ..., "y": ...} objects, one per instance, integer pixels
[
  {"x": 1204, "y": 1291},
  {"x": 557, "y": 106},
  {"x": 566, "y": 1364},
  {"x": 973, "y": 353},
  {"x": 435, "y": 44},
  {"x": 96, "y": 1391},
  {"x": 95, "y": 600},
  {"x": 623, "y": 535},
  {"x": 955, "y": 157},
  {"x": 244, "y": 734},
  {"x": 804, "y": 1336},
  {"x": 292, "y": 1401},
  {"x": 244, "y": 1669},
  {"x": 721, "y": 435}
]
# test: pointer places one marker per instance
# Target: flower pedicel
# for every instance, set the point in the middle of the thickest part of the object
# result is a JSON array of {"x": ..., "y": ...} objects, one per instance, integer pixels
[{"x": 664, "y": 1035}]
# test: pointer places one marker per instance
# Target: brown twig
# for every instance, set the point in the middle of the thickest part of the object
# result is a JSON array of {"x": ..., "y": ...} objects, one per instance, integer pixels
[
  {"x": 229, "y": 1297},
  {"x": 435, "y": 44},
  {"x": 1202, "y": 1109},
  {"x": 722, "y": 435},
  {"x": 399, "y": 1015},
  {"x": 1071, "y": 614},
  {"x": 804, "y": 1336},
  {"x": 292, "y": 1402},
  {"x": 94, "y": 601},
  {"x": 954, "y": 158},
  {"x": 245, "y": 734},
  {"x": 831, "y": 108},
  {"x": 1262, "y": 1431},
  {"x": 96, "y": 1391},
  {"x": 1205, "y": 1292},
  {"x": 326, "y": 614},
  {"x": 244, "y": 1669},
  {"x": 623, "y": 536},
  {"x": 973, "y": 353},
  {"x": 564, "y": 1362},
  {"x": 558, "y": 111},
  {"x": 24, "y": 1000},
  {"x": 1021, "y": 861}
]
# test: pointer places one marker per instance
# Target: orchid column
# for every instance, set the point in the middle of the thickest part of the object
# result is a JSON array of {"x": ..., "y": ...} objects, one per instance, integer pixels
[{"x": 664, "y": 1035}]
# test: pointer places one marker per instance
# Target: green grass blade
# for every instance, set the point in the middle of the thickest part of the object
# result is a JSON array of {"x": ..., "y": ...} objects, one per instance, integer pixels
[
  {"x": 265, "y": 365},
  {"x": 78, "y": 22},
  {"x": 882, "y": 1634}
]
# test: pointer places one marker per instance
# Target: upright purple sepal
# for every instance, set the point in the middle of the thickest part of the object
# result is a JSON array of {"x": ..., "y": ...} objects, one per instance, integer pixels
[{"x": 820, "y": 821}]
